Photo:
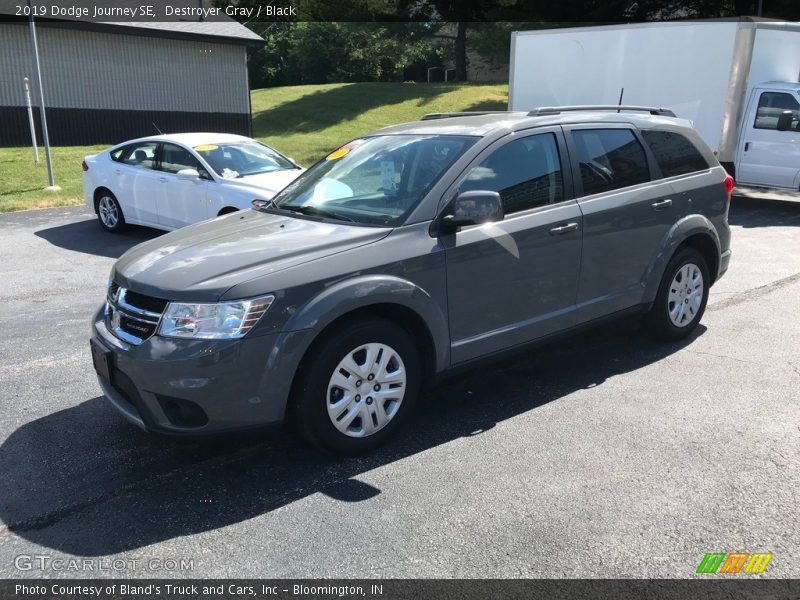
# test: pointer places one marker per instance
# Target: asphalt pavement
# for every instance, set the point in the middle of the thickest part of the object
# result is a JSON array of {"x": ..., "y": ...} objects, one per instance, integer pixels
[{"x": 602, "y": 455}]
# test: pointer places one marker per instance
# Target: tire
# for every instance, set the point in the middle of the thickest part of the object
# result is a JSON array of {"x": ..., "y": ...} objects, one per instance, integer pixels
[
  {"x": 682, "y": 296},
  {"x": 109, "y": 212},
  {"x": 327, "y": 387}
]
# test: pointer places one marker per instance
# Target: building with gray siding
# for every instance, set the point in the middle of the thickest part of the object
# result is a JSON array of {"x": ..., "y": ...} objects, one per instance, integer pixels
[{"x": 105, "y": 82}]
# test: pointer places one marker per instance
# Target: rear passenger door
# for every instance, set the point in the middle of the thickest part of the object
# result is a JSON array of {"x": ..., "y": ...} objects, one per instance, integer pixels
[
  {"x": 626, "y": 216},
  {"x": 137, "y": 186},
  {"x": 515, "y": 280}
]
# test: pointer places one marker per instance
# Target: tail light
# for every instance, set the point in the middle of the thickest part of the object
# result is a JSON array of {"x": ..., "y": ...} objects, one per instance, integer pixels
[
  {"x": 729, "y": 184},
  {"x": 84, "y": 166}
]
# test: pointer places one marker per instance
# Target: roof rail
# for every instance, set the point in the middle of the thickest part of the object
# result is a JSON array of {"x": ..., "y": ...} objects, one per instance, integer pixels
[
  {"x": 554, "y": 110},
  {"x": 475, "y": 113}
]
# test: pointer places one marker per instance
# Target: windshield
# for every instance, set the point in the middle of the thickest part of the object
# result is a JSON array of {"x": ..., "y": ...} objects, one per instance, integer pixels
[
  {"x": 239, "y": 159},
  {"x": 373, "y": 181}
]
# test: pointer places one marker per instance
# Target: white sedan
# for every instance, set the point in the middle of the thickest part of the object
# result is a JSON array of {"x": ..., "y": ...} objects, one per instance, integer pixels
[{"x": 168, "y": 181}]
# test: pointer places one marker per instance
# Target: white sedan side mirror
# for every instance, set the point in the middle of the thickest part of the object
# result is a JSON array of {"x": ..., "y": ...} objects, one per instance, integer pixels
[{"x": 189, "y": 174}]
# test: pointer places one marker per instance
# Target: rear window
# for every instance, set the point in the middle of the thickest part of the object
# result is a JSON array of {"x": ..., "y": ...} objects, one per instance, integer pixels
[
  {"x": 674, "y": 153},
  {"x": 609, "y": 159}
]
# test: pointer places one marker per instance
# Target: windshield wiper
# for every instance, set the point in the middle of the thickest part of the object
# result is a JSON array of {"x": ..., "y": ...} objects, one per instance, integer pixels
[{"x": 315, "y": 211}]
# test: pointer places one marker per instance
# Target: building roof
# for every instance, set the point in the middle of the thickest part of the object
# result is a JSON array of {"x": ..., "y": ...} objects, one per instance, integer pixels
[{"x": 229, "y": 29}]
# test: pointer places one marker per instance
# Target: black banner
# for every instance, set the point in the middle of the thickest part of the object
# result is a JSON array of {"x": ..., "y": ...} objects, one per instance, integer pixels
[{"x": 264, "y": 589}]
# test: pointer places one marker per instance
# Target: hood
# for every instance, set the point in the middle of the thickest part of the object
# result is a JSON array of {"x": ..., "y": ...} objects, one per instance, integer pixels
[
  {"x": 270, "y": 183},
  {"x": 201, "y": 262}
]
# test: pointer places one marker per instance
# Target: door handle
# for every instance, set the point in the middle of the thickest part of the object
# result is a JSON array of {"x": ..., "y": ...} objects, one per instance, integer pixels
[
  {"x": 661, "y": 204},
  {"x": 746, "y": 146},
  {"x": 117, "y": 171},
  {"x": 564, "y": 228},
  {"x": 162, "y": 179}
]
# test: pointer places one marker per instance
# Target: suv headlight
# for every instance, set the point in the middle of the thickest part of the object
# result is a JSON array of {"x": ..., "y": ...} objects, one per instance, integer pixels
[{"x": 219, "y": 321}]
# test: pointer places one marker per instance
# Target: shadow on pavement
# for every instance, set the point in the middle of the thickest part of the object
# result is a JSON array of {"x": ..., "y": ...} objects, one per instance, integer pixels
[
  {"x": 84, "y": 482},
  {"x": 764, "y": 212},
  {"x": 88, "y": 237}
]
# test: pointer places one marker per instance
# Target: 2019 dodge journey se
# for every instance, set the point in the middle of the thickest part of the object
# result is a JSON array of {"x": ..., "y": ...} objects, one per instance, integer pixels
[{"x": 408, "y": 252}]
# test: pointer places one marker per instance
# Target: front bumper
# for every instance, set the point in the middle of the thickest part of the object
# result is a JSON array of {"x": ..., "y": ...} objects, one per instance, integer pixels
[{"x": 180, "y": 386}]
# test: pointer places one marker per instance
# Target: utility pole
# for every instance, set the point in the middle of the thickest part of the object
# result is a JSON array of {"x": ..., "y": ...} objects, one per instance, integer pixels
[
  {"x": 34, "y": 145},
  {"x": 51, "y": 187}
]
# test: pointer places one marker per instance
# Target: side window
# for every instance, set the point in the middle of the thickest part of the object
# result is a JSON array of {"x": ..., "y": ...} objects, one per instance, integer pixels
[
  {"x": 674, "y": 153},
  {"x": 770, "y": 107},
  {"x": 174, "y": 158},
  {"x": 525, "y": 172},
  {"x": 142, "y": 154},
  {"x": 609, "y": 159}
]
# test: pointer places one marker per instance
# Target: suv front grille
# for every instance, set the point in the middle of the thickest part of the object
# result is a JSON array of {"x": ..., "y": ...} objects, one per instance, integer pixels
[{"x": 131, "y": 316}]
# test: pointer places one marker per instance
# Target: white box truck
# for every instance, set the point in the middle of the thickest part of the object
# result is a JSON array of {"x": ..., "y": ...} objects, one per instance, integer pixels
[{"x": 737, "y": 81}]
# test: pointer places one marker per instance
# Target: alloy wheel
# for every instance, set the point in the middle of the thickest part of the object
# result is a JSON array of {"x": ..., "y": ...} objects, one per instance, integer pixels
[{"x": 107, "y": 210}]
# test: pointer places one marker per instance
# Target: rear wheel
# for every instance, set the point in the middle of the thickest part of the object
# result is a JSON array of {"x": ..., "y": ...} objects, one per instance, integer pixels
[
  {"x": 360, "y": 385},
  {"x": 109, "y": 212},
  {"x": 682, "y": 296}
]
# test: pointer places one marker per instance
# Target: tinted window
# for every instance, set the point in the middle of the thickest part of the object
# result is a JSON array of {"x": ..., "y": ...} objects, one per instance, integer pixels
[
  {"x": 770, "y": 107},
  {"x": 674, "y": 153},
  {"x": 525, "y": 172},
  {"x": 142, "y": 154},
  {"x": 174, "y": 158},
  {"x": 609, "y": 159}
]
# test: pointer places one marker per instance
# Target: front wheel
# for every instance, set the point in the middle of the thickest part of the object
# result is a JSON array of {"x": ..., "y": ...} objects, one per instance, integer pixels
[
  {"x": 109, "y": 213},
  {"x": 682, "y": 296},
  {"x": 358, "y": 387}
]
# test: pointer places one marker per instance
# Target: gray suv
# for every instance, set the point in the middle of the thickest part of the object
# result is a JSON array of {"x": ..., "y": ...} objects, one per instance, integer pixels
[{"x": 405, "y": 253}]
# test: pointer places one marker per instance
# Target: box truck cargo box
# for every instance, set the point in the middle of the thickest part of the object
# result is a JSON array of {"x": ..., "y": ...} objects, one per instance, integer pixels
[{"x": 736, "y": 81}]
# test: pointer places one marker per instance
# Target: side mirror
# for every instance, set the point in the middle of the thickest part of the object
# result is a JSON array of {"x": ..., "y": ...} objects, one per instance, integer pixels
[
  {"x": 472, "y": 208},
  {"x": 188, "y": 174},
  {"x": 785, "y": 121}
]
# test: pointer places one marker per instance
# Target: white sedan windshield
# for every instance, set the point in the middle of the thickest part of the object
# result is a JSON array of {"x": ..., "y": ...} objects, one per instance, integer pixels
[{"x": 239, "y": 159}]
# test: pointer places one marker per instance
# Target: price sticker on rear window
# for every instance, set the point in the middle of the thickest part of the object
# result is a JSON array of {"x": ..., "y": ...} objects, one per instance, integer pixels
[
  {"x": 206, "y": 148},
  {"x": 343, "y": 151}
]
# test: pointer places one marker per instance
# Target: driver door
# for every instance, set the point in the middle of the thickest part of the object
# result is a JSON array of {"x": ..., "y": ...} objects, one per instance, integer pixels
[
  {"x": 515, "y": 280},
  {"x": 181, "y": 201}
]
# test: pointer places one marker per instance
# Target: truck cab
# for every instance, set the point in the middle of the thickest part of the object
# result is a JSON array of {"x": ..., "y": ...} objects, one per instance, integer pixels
[{"x": 768, "y": 154}]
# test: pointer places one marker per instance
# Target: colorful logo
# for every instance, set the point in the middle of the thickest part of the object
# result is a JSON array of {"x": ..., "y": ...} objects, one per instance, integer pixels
[{"x": 734, "y": 562}]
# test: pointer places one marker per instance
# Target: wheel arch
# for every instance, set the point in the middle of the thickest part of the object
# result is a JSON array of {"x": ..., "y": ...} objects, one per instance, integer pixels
[
  {"x": 693, "y": 231},
  {"x": 226, "y": 210}
]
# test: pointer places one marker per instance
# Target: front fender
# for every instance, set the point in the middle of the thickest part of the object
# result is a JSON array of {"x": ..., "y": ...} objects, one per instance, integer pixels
[
  {"x": 368, "y": 290},
  {"x": 686, "y": 227}
]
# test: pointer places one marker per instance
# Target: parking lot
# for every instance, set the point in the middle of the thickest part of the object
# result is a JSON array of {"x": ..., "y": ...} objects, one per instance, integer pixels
[{"x": 602, "y": 455}]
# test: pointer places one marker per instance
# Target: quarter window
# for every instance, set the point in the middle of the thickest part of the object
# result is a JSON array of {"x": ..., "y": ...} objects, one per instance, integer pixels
[
  {"x": 674, "y": 153},
  {"x": 525, "y": 172},
  {"x": 609, "y": 159},
  {"x": 771, "y": 105},
  {"x": 174, "y": 159},
  {"x": 142, "y": 154}
]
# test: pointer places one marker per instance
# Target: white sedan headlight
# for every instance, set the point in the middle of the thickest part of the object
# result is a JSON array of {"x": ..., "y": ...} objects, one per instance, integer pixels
[{"x": 219, "y": 321}]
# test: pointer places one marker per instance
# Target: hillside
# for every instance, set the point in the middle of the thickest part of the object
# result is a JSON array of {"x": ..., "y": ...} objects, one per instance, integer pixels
[{"x": 306, "y": 121}]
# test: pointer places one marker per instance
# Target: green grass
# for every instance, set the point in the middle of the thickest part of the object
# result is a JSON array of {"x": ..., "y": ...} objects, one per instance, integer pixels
[{"x": 304, "y": 122}]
